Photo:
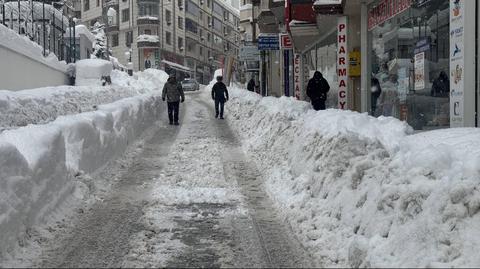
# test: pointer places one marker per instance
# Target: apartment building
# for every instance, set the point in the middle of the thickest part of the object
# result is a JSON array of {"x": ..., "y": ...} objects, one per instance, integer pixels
[{"x": 190, "y": 37}]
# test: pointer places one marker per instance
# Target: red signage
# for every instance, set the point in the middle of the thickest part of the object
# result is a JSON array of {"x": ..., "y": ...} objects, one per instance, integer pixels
[
  {"x": 386, "y": 9},
  {"x": 286, "y": 42}
]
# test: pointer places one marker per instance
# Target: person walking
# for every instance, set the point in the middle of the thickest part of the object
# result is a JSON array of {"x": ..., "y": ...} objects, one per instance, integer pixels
[
  {"x": 251, "y": 85},
  {"x": 173, "y": 93},
  {"x": 220, "y": 96},
  {"x": 317, "y": 90}
]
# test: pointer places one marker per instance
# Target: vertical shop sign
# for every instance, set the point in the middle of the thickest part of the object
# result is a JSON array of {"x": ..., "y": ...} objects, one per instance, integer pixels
[
  {"x": 342, "y": 63},
  {"x": 286, "y": 72},
  {"x": 297, "y": 75},
  {"x": 420, "y": 71},
  {"x": 457, "y": 62}
]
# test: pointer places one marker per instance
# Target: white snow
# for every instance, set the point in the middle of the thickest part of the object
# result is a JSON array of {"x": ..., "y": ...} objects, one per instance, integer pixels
[
  {"x": 362, "y": 191},
  {"x": 23, "y": 45},
  {"x": 20, "y": 108},
  {"x": 90, "y": 71},
  {"x": 148, "y": 38},
  {"x": 80, "y": 30},
  {"x": 39, "y": 162}
]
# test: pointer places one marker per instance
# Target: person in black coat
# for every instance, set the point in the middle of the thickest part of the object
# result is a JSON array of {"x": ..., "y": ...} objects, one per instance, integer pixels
[
  {"x": 220, "y": 95},
  {"x": 317, "y": 90},
  {"x": 376, "y": 92},
  {"x": 251, "y": 85}
]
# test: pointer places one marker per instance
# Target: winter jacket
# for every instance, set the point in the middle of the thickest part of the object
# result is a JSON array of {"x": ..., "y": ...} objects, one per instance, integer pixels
[
  {"x": 219, "y": 92},
  {"x": 251, "y": 85},
  {"x": 173, "y": 91},
  {"x": 317, "y": 88}
]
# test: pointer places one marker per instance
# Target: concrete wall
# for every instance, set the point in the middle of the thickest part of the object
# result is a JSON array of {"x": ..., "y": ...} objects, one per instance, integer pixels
[{"x": 19, "y": 72}]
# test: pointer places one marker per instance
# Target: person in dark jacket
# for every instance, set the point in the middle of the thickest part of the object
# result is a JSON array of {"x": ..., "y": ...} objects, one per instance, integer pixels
[
  {"x": 251, "y": 85},
  {"x": 441, "y": 86},
  {"x": 317, "y": 90},
  {"x": 173, "y": 93},
  {"x": 220, "y": 95},
  {"x": 376, "y": 92}
]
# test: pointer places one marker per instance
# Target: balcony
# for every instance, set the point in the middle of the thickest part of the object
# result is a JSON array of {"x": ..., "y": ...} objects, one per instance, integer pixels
[
  {"x": 148, "y": 41},
  {"x": 147, "y": 20}
]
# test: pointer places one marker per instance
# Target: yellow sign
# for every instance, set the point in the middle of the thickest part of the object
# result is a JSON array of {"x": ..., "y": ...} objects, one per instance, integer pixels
[{"x": 355, "y": 69}]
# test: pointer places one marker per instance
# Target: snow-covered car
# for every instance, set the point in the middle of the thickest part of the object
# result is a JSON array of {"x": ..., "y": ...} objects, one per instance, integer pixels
[
  {"x": 93, "y": 72},
  {"x": 189, "y": 84}
]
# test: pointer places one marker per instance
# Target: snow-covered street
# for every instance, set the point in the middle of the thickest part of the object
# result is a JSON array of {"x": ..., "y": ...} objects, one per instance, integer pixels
[{"x": 180, "y": 196}]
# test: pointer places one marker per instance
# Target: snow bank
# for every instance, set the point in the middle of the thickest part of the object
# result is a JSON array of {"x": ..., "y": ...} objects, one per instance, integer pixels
[
  {"x": 43, "y": 105},
  {"x": 361, "y": 191},
  {"x": 39, "y": 162},
  {"x": 90, "y": 71}
]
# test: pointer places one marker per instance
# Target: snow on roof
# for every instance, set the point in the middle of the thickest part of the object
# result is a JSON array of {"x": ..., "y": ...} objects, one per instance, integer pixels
[
  {"x": 21, "y": 44},
  {"x": 148, "y": 18},
  {"x": 148, "y": 38},
  {"x": 172, "y": 64}
]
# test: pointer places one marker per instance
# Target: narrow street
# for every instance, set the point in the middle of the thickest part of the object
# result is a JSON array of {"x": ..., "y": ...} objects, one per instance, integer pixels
[{"x": 189, "y": 198}]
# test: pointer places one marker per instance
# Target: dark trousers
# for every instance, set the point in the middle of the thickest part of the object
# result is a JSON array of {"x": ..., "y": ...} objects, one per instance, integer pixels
[
  {"x": 318, "y": 104},
  {"x": 173, "y": 108},
  {"x": 219, "y": 105}
]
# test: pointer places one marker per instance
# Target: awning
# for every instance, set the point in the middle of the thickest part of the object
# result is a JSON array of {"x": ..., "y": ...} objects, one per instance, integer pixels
[{"x": 176, "y": 66}]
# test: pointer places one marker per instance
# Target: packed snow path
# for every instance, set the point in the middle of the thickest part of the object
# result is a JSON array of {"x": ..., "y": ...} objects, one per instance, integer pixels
[{"x": 187, "y": 197}]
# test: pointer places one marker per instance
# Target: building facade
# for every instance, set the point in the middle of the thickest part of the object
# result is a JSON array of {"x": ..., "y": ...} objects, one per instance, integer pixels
[
  {"x": 407, "y": 59},
  {"x": 189, "y": 37}
]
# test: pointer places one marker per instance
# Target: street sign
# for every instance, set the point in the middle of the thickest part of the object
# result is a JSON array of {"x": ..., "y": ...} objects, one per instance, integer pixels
[
  {"x": 249, "y": 53},
  {"x": 268, "y": 42},
  {"x": 286, "y": 42}
]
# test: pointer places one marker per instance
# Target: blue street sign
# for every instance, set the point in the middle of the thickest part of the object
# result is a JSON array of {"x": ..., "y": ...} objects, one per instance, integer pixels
[{"x": 268, "y": 42}]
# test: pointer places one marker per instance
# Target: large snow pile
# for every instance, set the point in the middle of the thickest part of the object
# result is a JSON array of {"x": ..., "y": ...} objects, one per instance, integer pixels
[
  {"x": 23, "y": 45},
  {"x": 91, "y": 71},
  {"x": 39, "y": 162},
  {"x": 361, "y": 191},
  {"x": 42, "y": 105}
]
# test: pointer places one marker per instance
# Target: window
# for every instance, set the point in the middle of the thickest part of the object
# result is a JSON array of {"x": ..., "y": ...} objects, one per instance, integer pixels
[
  {"x": 125, "y": 15},
  {"x": 180, "y": 22},
  {"x": 192, "y": 8},
  {"x": 180, "y": 43},
  {"x": 168, "y": 38},
  {"x": 168, "y": 16},
  {"x": 191, "y": 25},
  {"x": 217, "y": 8},
  {"x": 86, "y": 5},
  {"x": 128, "y": 38},
  {"x": 147, "y": 32},
  {"x": 191, "y": 45},
  {"x": 217, "y": 24},
  {"x": 148, "y": 9},
  {"x": 115, "y": 40}
]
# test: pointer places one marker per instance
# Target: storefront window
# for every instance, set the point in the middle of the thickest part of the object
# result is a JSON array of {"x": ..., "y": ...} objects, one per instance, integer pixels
[
  {"x": 323, "y": 58},
  {"x": 410, "y": 61}
]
